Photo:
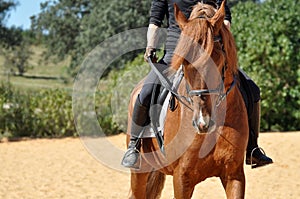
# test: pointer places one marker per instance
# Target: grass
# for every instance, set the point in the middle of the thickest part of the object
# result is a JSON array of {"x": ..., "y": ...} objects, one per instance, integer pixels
[{"x": 41, "y": 74}]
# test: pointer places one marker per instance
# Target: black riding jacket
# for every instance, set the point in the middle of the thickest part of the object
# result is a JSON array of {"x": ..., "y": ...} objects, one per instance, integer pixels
[{"x": 165, "y": 8}]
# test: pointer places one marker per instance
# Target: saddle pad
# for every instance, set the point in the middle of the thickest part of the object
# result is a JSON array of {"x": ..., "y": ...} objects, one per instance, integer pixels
[{"x": 148, "y": 131}]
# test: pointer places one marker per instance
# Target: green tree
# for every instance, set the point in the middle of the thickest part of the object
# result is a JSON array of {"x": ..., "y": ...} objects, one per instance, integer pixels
[
  {"x": 9, "y": 36},
  {"x": 232, "y": 3},
  {"x": 13, "y": 45},
  {"x": 107, "y": 19},
  {"x": 16, "y": 58},
  {"x": 75, "y": 27},
  {"x": 60, "y": 22},
  {"x": 267, "y": 37},
  {"x": 5, "y": 7}
]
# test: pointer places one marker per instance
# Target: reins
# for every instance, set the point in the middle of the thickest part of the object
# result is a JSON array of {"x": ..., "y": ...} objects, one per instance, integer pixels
[
  {"x": 187, "y": 100},
  {"x": 169, "y": 86}
]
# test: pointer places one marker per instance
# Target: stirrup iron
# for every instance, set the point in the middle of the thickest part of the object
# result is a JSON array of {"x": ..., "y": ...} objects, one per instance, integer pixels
[{"x": 253, "y": 166}]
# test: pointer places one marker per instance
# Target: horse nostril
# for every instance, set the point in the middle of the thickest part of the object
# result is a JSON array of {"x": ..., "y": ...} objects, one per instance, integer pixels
[
  {"x": 203, "y": 126},
  {"x": 200, "y": 126},
  {"x": 203, "y": 98}
]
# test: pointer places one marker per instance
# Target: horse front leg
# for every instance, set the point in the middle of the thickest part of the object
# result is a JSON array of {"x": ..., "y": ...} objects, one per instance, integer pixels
[
  {"x": 183, "y": 187},
  {"x": 234, "y": 185},
  {"x": 138, "y": 185}
]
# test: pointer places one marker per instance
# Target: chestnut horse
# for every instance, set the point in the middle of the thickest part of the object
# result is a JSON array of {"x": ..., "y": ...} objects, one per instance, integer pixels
[{"x": 206, "y": 137}]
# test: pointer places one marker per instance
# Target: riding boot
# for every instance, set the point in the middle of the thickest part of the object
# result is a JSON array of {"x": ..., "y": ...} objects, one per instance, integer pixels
[
  {"x": 254, "y": 155},
  {"x": 140, "y": 118}
]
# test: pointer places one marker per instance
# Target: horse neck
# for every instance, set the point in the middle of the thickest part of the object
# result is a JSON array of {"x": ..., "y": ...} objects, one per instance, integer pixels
[{"x": 229, "y": 77}]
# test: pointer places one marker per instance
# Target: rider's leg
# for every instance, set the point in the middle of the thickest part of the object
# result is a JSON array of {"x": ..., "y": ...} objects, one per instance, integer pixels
[
  {"x": 140, "y": 118},
  {"x": 258, "y": 158}
]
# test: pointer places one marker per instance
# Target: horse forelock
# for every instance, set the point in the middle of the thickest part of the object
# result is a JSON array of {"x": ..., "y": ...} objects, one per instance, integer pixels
[
  {"x": 201, "y": 9},
  {"x": 196, "y": 38},
  {"x": 195, "y": 44}
]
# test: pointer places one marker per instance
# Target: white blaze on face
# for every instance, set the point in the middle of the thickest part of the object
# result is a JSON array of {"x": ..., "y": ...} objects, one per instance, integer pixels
[{"x": 203, "y": 121}]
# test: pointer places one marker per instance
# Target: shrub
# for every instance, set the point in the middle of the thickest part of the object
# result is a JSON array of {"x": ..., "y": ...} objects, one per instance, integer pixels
[
  {"x": 267, "y": 37},
  {"x": 45, "y": 113},
  {"x": 126, "y": 80}
]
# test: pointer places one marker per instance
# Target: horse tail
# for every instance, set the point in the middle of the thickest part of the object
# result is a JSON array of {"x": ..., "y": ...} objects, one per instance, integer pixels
[{"x": 155, "y": 185}]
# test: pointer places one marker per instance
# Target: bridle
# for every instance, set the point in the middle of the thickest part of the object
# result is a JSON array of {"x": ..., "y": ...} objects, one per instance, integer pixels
[
  {"x": 219, "y": 89},
  {"x": 221, "y": 96},
  {"x": 187, "y": 100}
]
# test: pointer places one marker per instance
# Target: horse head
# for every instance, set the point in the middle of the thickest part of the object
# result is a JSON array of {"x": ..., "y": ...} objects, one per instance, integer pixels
[{"x": 201, "y": 51}]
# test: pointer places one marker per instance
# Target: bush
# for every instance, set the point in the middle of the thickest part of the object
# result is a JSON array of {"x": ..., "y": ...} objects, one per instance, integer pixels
[
  {"x": 48, "y": 113},
  {"x": 114, "y": 94},
  {"x": 267, "y": 37},
  {"x": 45, "y": 113}
]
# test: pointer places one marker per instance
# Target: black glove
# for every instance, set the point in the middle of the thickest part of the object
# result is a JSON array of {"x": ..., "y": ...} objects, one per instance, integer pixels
[{"x": 150, "y": 52}]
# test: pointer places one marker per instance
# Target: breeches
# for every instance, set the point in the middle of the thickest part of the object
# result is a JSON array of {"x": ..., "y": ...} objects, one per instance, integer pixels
[
  {"x": 150, "y": 82},
  {"x": 146, "y": 92}
]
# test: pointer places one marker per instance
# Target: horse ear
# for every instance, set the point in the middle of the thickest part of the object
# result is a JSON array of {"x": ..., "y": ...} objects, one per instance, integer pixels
[
  {"x": 218, "y": 19},
  {"x": 179, "y": 16}
]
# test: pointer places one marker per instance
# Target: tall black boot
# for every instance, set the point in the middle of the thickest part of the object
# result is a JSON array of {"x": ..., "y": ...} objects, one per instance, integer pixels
[
  {"x": 140, "y": 118},
  {"x": 254, "y": 154}
]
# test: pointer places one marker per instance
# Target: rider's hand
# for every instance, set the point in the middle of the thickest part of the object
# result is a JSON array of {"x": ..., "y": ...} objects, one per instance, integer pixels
[
  {"x": 150, "y": 52},
  {"x": 227, "y": 24},
  {"x": 152, "y": 39}
]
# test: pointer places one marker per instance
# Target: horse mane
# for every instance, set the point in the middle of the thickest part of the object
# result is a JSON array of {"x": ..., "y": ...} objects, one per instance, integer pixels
[{"x": 199, "y": 30}]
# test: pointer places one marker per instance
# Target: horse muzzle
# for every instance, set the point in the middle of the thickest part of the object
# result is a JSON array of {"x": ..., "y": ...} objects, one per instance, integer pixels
[{"x": 204, "y": 125}]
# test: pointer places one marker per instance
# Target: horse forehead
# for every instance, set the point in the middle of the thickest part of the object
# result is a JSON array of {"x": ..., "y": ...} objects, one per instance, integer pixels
[{"x": 195, "y": 71}]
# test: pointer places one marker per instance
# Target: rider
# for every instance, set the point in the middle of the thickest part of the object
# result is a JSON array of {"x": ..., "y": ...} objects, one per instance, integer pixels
[{"x": 140, "y": 118}]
